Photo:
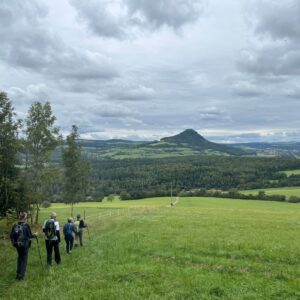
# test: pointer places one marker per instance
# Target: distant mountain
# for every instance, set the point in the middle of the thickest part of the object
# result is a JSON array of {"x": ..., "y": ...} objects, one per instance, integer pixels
[
  {"x": 188, "y": 136},
  {"x": 187, "y": 143},
  {"x": 191, "y": 138}
]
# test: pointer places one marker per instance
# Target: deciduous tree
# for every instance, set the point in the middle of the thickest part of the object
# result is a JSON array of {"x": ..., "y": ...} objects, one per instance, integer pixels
[{"x": 76, "y": 170}]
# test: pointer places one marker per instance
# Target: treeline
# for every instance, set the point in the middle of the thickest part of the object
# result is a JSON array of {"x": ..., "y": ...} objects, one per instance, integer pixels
[
  {"x": 235, "y": 194},
  {"x": 28, "y": 177},
  {"x": 140, "y": 178}
]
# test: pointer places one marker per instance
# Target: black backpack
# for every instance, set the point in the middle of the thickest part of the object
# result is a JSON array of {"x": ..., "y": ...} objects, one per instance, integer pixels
[
  {"x": 18, "y": 236},
  {"x": 49, "y": 230}
]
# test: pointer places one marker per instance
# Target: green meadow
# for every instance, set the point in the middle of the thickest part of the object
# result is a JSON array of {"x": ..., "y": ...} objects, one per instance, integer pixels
[
  {"x": 291, "y": 172},
  {"x": 201, "y": 248},
  {"x": 287, "y": 191}
]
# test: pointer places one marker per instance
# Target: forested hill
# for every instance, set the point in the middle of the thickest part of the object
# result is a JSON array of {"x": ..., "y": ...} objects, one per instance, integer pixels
[{"x": 186, "y": 143}]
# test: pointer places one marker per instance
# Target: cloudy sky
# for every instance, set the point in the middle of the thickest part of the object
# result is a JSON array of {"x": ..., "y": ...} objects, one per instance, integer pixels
[{"x": 141, "y": 69}]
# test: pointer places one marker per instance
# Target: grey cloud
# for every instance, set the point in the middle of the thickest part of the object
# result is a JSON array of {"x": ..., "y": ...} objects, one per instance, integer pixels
[
  {"x": 100, "y": 18},
  {"x": 34, "y": 47},
  {"x": 278, "y": 19},
  {"x": 172, "y": 13},
  {"x": 130, "y": 92},
  {"x": 24, "y": 40},
  {"x": 292, "y": 92},
  {"x": 212, "y": 114},
  {"x": 278, "y": 60},
  {"x": 246, "y": 89},
  {"x": 276, "y": 29},
  {"x": 124, "y": 18},
  {"x": 84, "y": 66},
  {"x": 108, "y": 110}
]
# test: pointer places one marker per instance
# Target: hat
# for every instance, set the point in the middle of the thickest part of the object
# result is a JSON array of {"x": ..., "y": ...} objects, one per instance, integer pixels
[{"x": 23, "y": 216}]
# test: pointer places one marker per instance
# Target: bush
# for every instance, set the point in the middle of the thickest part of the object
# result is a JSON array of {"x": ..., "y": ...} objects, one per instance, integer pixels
[
  {"x": 46, "y": 204},
  {"x": 294, "y": 199}
]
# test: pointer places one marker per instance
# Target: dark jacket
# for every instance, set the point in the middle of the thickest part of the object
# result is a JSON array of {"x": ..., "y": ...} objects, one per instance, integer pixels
[
  {"x": 26, "y": 232},
  {"x": 69, "y": 230}
]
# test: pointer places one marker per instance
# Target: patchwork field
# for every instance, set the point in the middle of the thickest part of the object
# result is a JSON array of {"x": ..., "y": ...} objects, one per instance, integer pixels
[{"x": 202, "y": 248}]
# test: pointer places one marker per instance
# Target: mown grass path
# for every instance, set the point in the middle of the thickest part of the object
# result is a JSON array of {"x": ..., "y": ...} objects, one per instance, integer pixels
[{"x": 202, "y": 248}]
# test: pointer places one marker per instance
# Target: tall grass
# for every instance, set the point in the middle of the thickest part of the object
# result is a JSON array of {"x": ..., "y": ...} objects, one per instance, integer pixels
[{"x": 203, "y": 248}]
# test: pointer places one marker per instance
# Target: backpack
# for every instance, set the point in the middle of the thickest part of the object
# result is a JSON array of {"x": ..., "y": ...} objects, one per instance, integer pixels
[
  {"x": 69, "y": 230},
  {"x": 82, "y": 224},
  {"x": 18, "y": 236},
  {"x": 49, "y": 230},
  {"x": 76, "y": 226}
]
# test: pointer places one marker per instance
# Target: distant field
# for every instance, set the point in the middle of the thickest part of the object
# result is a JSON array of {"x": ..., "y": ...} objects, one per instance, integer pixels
[
  {"x": 291, "y": 172},
  {"x": 202, "y": 248},
  {"x": 150, "y": 152},
  {"x": 287, "y": 191}
]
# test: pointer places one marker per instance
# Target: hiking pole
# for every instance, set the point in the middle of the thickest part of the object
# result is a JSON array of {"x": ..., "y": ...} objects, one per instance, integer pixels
[
  {"x": 87, "y": 228},
  {"x": 39, "y": 250}
]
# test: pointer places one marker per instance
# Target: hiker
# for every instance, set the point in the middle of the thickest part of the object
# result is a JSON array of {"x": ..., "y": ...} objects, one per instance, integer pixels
[
  {"x": 52, "y": 238},
  {"x": 79, "y": 224},
  {"x": 20, "y": 238},
  {"x": 69, "y": 233}
]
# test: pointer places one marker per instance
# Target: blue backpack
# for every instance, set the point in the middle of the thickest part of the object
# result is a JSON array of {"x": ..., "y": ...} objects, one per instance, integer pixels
[{"x": 68, "y": 230}]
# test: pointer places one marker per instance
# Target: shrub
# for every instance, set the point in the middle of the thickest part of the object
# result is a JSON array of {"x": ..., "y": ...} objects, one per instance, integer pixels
[
  {"x": 46, "y": 204},
  {"x": 294, "y": 199}
]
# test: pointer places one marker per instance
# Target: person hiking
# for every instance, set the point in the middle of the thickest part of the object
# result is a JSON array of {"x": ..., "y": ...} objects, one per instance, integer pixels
[
  {"x": 20, "y": 238},
  {"x": 52, "y": 238},
  {"x": 69, "y": 233},
  {"x": 79, "y": 224}
]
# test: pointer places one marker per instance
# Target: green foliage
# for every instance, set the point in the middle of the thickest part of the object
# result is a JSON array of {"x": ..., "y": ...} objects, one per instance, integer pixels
[
  {"x": 46, "y": 204},
  {"x": 76, "y": 170},
  {"x": 140, "y": 178},
  {"x": 41, "y": 139},
  {"x": 110, "y": 197},
  {"x": 9, "y": 146}
]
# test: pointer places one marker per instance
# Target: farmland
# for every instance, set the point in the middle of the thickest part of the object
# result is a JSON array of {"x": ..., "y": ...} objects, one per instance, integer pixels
[
  {"x": 287, "y": 191},
  {"x": 202, "y": 248}
]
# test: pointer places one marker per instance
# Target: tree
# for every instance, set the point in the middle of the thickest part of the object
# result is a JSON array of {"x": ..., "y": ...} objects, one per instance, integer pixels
[
  {"x": 41, "y": 139},
  {"x": 9, "y": 147},
  {"x": 76, "y": 170}
]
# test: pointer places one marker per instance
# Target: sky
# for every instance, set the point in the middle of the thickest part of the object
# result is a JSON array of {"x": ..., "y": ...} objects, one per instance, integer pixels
[{"x": 143, "y": 70}]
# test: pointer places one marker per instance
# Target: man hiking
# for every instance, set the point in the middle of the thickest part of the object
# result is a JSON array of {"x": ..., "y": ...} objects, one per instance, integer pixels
[
  {"x": 20, "y": 238},
  {"x": 69, "y": 233},
  {"x": 52, "y": 238},
  {"x": 79, "y": 225}
]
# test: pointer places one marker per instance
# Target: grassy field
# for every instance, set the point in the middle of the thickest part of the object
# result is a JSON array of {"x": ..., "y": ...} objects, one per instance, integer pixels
[
  {"x": 202, "y": 248},
  {"x": 291, "y": 172},
  {"x": 287, "y": 191}
]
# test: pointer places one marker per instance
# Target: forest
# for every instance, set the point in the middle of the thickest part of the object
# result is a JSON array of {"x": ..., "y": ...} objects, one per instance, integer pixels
[{"x": 139, "y": 178}]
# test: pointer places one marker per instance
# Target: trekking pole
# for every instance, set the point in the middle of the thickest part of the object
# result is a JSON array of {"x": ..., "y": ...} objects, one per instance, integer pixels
[
  {"x": 39, "y": 250},
  {"x": 87, "y": 228}
]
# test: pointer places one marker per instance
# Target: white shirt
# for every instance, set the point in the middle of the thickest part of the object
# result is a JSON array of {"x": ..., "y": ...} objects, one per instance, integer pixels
[{"x": 56, "y": 224}]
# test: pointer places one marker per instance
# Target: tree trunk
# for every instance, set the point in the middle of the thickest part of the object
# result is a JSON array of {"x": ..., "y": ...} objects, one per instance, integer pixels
[
  {"x": 37, "y": 213},
  {"x": 72, "y": 207}
]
